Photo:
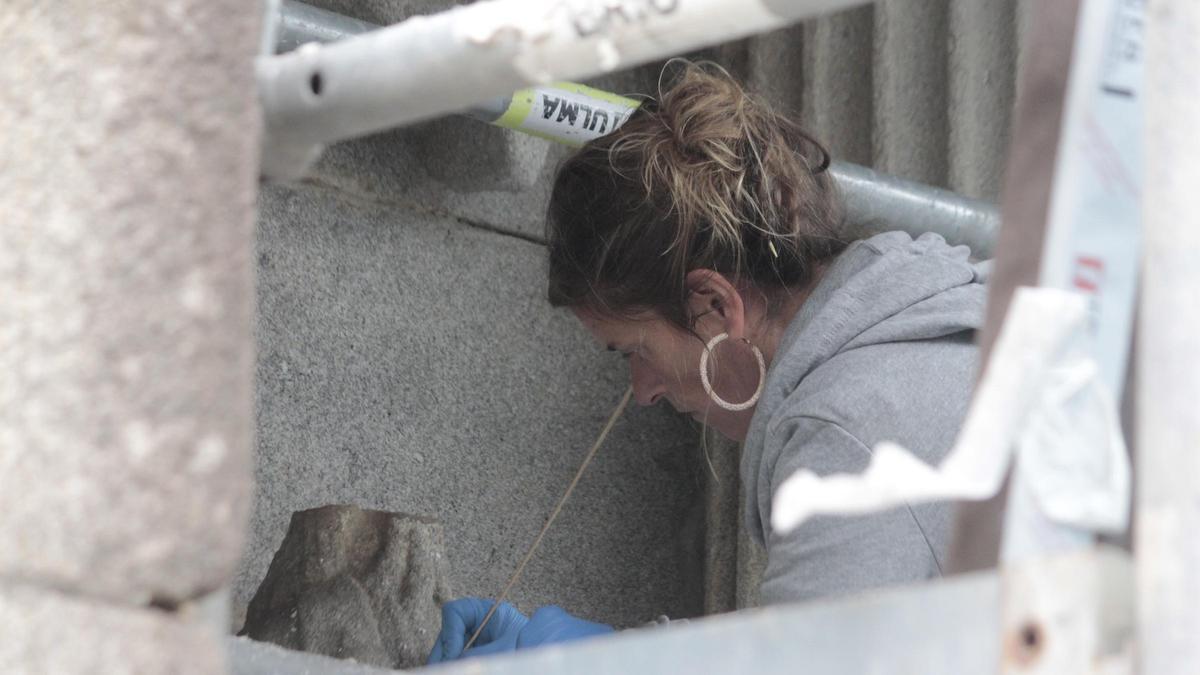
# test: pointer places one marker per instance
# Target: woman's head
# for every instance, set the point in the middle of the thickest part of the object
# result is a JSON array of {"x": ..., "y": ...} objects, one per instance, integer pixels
[{"x": 706, "y": 180}]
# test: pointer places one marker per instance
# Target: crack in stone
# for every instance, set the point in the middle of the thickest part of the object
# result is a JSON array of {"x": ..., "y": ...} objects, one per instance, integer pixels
[{"x": 375, "y": 200}]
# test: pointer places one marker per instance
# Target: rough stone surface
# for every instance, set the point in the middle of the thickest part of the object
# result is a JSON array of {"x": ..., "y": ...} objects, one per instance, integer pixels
[
  {"x": 455, "y": 168},
  {"x": 49, "y": 633},
  {"x": 410, "y": 363},
  {"x": 350, "y": 583},
  {"x": 722, "y": 521},
  {"x": 127, "y": 179}
]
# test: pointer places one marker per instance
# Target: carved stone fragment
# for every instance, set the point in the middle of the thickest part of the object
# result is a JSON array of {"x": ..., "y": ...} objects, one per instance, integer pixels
[{"x": 353, "y": 583}]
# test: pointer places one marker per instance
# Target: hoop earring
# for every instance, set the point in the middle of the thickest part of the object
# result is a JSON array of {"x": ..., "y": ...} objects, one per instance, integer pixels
[{"x": 762, "y": 375}]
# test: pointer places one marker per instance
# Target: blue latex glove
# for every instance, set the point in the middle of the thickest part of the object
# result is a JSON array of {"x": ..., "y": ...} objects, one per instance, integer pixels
[
  {"x": 553, "y": 624},
  {"x": 508, "y": 630},
  {"x": 461, "y": 617}
]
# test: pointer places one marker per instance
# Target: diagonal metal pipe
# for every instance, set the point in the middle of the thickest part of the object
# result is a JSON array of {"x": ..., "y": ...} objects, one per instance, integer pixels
[{"x": 435, "y": 64}]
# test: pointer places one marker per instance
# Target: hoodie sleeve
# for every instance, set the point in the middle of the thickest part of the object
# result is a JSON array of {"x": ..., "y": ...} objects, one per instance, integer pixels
[{"x": 836, "y": 555}]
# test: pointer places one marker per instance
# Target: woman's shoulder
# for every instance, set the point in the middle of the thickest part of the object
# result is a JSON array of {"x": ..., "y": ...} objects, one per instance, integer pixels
[{"x": 911, "y": 392}]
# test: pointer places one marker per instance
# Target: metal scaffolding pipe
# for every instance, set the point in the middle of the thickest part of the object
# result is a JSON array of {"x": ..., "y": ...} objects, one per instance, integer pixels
[
  {"x": 874, "y": 201},
  {"x": 299, "y": 23},
  {"x": 436, "y": 64}
]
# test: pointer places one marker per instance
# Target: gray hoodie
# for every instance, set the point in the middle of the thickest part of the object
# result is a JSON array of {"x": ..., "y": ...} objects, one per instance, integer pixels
[{"x": 881, "y": 350}]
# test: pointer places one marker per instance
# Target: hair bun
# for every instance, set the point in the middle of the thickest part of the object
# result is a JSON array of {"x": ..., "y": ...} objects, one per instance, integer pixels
[{"x": 706, "y": 177}]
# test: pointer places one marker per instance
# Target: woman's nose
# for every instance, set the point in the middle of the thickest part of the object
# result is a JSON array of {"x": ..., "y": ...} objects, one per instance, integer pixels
[{"x": 647, "y": 387}]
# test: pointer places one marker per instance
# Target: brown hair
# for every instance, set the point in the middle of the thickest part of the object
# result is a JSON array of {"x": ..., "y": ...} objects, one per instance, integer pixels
[{"x": 709, "y": 177}]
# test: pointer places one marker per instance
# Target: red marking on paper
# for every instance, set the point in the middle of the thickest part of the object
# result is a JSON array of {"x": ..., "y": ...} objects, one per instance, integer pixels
[{"x": 1089, "y": 274}]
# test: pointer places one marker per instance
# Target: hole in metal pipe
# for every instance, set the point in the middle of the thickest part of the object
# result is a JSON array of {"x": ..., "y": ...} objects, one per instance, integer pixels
[{"x": 1026, "y": 644}]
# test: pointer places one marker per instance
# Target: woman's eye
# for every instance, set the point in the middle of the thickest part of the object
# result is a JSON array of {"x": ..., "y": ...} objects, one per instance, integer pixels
[{"x": 624, "y": 354}]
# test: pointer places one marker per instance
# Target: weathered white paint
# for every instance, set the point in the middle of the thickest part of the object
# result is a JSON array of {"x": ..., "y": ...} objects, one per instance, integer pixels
[{"x": 1068, "y": 613}]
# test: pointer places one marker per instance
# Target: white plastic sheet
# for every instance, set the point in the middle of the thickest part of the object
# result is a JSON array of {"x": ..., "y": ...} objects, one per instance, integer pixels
[{"x": 1040, "y": 394}]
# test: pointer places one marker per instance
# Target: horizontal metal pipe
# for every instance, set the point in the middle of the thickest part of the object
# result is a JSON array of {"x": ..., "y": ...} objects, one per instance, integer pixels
[
  {"x": 436, "y": 64},
  {"x": 874, "y": 201},
  {"x": 300, "y": 23}
]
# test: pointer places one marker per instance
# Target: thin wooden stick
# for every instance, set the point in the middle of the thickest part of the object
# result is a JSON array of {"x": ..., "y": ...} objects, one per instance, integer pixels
[{"x": 553, "y": 514}]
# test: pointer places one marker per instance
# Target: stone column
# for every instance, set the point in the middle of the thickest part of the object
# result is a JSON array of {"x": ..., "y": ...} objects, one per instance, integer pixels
[{"x": 128, "y": 168}]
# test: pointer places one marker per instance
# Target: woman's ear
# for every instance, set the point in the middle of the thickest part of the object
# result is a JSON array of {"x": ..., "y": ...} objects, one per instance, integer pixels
[{"x": 715, "y": 304}]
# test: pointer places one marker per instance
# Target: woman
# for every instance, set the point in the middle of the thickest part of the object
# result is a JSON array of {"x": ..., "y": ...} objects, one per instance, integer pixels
[{"x": 702, "y": 241}]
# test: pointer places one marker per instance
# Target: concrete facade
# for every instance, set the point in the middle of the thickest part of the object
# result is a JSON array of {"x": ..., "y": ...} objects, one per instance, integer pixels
[{"x": 408, "y": 360}]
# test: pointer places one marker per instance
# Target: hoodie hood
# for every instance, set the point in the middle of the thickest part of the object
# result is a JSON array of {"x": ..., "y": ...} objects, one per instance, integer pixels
[{"x": 888, "y": 288}]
